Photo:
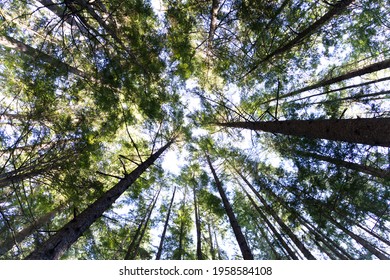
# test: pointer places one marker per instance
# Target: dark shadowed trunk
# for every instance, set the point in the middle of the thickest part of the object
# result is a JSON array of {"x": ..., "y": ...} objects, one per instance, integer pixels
[
  {"x": 280, "y": 239},
  {"x": 8, "y": 243},
  {"x": 242, "y": 243},
  {"x": 355, "y": 73},
  {"x": 198, "y": 229},
  {"x": 377, "y": 172},
  {"x": 283, "y": 226},
  {"x": 135, "y": 244},
  {"x": 160, "y": 247},
  {"x": 359, "y": 240},
  {"x": 335, "y": 10},
  {"x": 56, "y": 245},
  {"x": 364, "y": 131}
]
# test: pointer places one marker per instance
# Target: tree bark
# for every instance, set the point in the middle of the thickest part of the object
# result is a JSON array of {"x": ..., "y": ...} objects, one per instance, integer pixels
[
  {"x": 62, "y": 14},
  {"x": 283, "y": 226},
  {"x": 370, "y": 131},
  {"x": 160, "y": 247},
  {"x": 213, "y": 21},
  {"x": 333, "y": 247},
  {"x": 336, "y": 10},
  {"x": 280, "y": 239},
  {"x": 133, "y": 249},
  {"x": 355, "y": 73},
  {"x": 242, "y": 243},
  {"x": 269, "y": 243},
  {"x": 359, "y": 240},
  {"x": 56, "y": 245},
  {"x": 198, "y": 229},
  {"x": 15, "y": 44},
  {"x": 377, "y": 172},
  {"x": 8, "y": 243},
  {"x": 212, "y": 250}
]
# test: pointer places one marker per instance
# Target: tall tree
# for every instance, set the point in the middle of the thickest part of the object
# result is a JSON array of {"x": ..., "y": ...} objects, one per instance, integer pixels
[
  {"x": 363, "y": 131},
  {"x": 242, "y": 243},
  {"x": 377, "y": 172},
  {"x": 162, "y": 238},
  {"x": 284, "y": 227},
  {"x": 198, "y": 228},
  {"x": 355, "y": 73},
  {"x": 56, "y": 63},
  {"x": 335, "y": 10},
  {"x": 137, "y": 238},
  {"x": 37, "y": 224},
  {"x": 279, "y": 237},
  {"x": 55, "y": 246}
]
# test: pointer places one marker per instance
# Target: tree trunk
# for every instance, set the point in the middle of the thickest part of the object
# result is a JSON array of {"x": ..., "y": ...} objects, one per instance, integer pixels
[
  {"x": 181, "y": 237},
  {"x": 387, "y": 242},
  {"x": 280, "y": 239},
  {"x": 333, "y": 247},
  {"x": 213, "y": 22},
  {"x": 355, "y": 73},
  {"x": 133, "y": 250},
  {"x": 377, "y": 172},
  {"x": 109, "y": 29},
  {"x": 160, "y": 247},
  {"x": 360, "y": 97},
  {"x": 283, "y": 226},
  {"x": 15, "y": 44},
  {"x": 43, "y": 146},
  {"x": 136, "y": 235},
  {"x": 103, "y": 22},
  {"x": 268, "y": 241},
  {"x": 198, "y": 229},
  {"x": 7, "y": 244},
  {"x": 217, "y": 245},
  {"x": 212, "y": 250},
  {"x": 63, "y": 15},
  {"x": 242, "y": 243},
  {"x": 336, "y": 10},
  {"x": 359, "y": 240},
  {"x": 56, "y": 245},
  {"x": 364, "y": 131},
  {"x": 13, "y": 177},
  {"x": 319, "y": 245}
]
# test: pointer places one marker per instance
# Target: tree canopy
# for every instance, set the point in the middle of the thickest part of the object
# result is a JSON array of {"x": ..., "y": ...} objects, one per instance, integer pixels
[{"x": 171, "y": 129}]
